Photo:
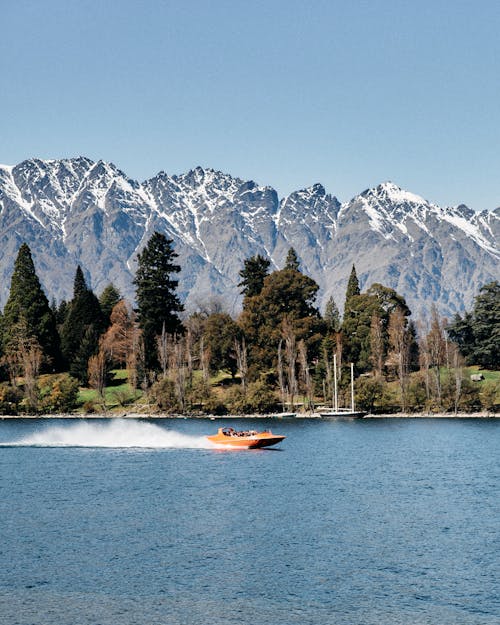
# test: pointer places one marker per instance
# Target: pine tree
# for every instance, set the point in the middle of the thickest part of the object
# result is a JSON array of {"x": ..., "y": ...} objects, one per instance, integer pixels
[
  {"x": 477, "y": 334},
  {"x": 28, "y": 301},
  {"x": 352, "y": 288},
  {"x": 255, "y": 269},
  {"x": 83, "y": 324},
  {"x": 286, "y": 295},
  {"x": 79, "y": 284},
  {"x": 157, "y": 302},
  {"x": 292, "y": 260},
  {"x": 332, "y": 315},
  {"x": 108, "y": 300}
]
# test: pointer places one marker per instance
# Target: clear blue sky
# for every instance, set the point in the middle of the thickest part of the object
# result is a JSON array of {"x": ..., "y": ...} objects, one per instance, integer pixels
[{"x": 286, "y": 93}]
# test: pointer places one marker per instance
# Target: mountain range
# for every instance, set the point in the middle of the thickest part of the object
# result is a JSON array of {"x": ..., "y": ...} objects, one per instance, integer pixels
[{"x": 77, "y": 211}]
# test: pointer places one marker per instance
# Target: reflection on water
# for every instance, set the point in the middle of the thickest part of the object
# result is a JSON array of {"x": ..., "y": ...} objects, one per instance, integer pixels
[{"x": 373, "y": 522}]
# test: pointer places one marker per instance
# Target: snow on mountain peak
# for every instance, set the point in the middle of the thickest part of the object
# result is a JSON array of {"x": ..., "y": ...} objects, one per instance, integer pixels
[{"x": 396, "y": 195}]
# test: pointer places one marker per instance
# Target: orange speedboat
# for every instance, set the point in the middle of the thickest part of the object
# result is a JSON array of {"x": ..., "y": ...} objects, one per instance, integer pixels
[{"x": 249, "y": 439}]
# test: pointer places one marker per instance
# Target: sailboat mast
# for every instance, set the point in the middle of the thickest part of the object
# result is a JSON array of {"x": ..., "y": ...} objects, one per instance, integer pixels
[
  {"x": 335, "y": 396},
  {"x": 352, "y": 387}
]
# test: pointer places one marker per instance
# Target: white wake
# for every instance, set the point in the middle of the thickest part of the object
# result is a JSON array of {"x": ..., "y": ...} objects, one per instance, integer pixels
[{"x": 118, "y": 433}]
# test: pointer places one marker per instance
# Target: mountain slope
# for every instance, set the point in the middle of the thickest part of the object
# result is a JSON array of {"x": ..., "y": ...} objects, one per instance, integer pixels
[{"x": 76, "y": 211}]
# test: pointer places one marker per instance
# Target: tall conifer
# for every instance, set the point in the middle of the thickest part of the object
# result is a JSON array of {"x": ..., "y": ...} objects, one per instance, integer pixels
[
  {"x": 157, "y": 301},
  {"x": 332, "y": 315},
  {"x": 108, "y": 299},
  {"x": 352, "y": 287},
  {"x": 255, "y": 269},
  {"x": 82, "y": 327},
  {"x": 28, "y": 302},
  {"x": 292, "y": 260}
]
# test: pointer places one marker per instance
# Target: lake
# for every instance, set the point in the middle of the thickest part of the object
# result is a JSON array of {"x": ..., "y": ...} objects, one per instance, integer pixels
[{"x": 371, "y": 522}]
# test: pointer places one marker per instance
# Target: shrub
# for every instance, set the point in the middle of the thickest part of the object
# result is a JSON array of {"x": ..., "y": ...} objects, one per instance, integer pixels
[
  {"x": 260, "y": 398},
  {"x": 162, "y": 393},
  {"x": 60, "y": 394},
  {"x": 369, "y": 393},
  {"x": 489, "y": 396},
  {"x": 10, "y": 398}
]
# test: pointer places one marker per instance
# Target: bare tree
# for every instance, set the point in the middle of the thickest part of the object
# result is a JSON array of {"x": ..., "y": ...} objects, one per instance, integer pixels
[
  {"x": 23, "y": 358},
  {"x": 328, "y": 381},
  {"x": 281, "y": 376},
  {"x": 291, "y": 359},
  {"x": 178, "y": 369},
  {"x": 305, "y": 375},
  {"x": 97, "y": 373},
  {"x": 240, "y": 349},
  {"x": 118, "y": 340},
  {"x": 162, "y": 346},
  {"x": 377, "y": 344},
  {"x": 204, "y": 360},
  {"x": 399, "y": 351},
  {"x": 136, "y": 363},
  {"x": 436, "y": 347},
  {"x": 458, "y": 369}
]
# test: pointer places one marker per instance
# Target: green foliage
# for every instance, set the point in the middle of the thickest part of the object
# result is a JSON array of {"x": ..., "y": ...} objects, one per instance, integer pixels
[
  {"x": 220, "y": 334},
  {"x": 477, "y": 334},
  {"x": 292, "y": 260},
  {"x": 332, "y": 316},
  {"x": 108, "y": 299},
  {"x": 352, "y": 288},
  {"x": 82, "y": 327},
  {"x": 259, "y": 398},
  {"x": 157, "y": 302},
  {"x": 370, "y": 394},
  {"x": 59, "y": 394},
  {"x": 356, "y": 329},
  {"x": 28, "y": 301},
  {"x": 162, "y": 393},
  {"x": 489, "y": 396},
  {"x": 255, "y": 269},
  {"x": 378, "y": 301},
  {"x": 10, "y": 398},
  {"x": 286, "y": 295}
]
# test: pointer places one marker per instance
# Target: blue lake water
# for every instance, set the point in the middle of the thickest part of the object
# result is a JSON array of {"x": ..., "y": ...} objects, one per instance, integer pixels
[{"x": 373, "y": 522}]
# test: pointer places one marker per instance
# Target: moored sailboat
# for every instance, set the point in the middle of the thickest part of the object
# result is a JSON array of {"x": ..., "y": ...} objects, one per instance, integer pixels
[{"x": 337, "y": 412}]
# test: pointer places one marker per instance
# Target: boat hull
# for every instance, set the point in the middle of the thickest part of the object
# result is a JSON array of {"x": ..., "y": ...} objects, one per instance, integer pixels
[
  {"x": 254, "y": 441},
  {"x": 347, "y": 414}
]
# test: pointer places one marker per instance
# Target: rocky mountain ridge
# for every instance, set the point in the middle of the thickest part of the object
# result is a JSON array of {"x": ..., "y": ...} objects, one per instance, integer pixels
[{"x": 77, "y": 211}]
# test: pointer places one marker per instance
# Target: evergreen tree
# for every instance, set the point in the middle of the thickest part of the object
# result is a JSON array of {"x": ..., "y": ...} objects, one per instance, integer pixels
[
  {"x": 287, "y": 296},
  {"x": 477, "y": 334},
  {"x": 157, "y": 302},
  {"x": 82, "y": 326},
  {"x": 79, "y": 284},
  {"x": 332, "y": 315},
  {"x": 28, "y": 301},
  {"x": 61, "y": 312},
  {"x": 292, "y": 260},
  {"x": 360, "y": 309},
  {"x": 108, "y": 300},
  {"x": 486, "y": 326},
  {"x": 352, "y": 288},
  {"x": 255, "y": 269},
  {"x": 220, "y": 335}
]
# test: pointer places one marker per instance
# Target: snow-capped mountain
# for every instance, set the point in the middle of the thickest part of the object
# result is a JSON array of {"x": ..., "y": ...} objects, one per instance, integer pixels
[{"x": 76, "y": 211}]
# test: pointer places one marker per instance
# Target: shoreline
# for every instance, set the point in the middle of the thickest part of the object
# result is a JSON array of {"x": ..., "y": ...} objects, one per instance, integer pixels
[{"x": 299, "y": 416}]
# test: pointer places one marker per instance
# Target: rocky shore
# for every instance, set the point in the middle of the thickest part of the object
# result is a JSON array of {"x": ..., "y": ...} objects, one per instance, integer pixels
[{"x": 136, "y": 415}]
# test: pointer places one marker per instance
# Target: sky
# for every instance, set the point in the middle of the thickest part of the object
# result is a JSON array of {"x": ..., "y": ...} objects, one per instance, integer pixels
[{"x": 287, "y": 93}]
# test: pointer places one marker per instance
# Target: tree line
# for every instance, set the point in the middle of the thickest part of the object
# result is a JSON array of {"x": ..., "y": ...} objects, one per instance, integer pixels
[{"x": 278, "y": 354}]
